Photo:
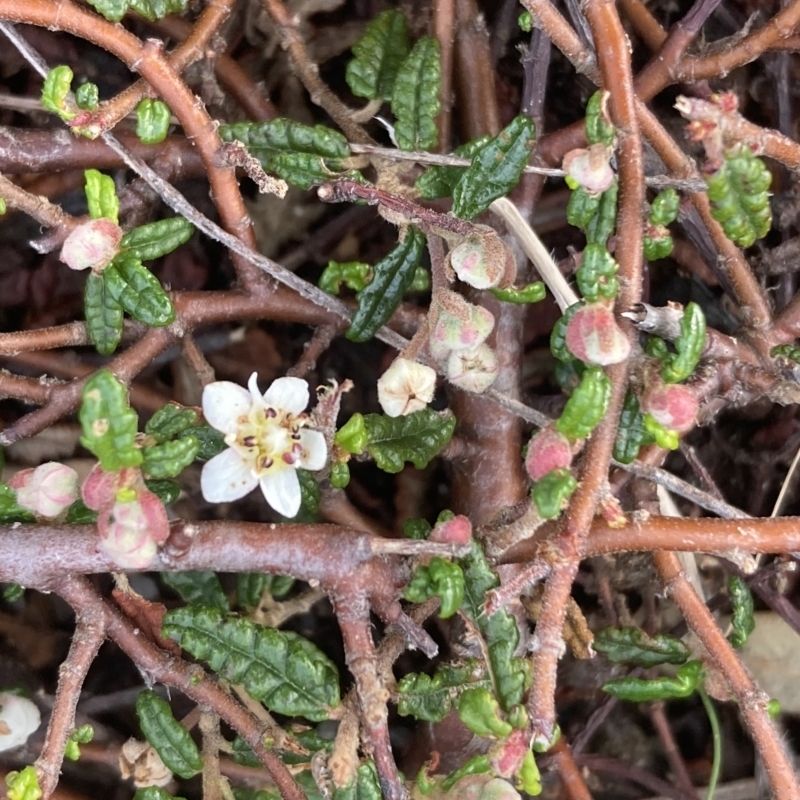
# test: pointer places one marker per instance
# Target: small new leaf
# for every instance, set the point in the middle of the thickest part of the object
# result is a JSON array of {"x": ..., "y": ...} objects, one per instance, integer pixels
[
  {"x": 354, "y": 274},
  {"x": 639, "y": 690},
  {"x": 415, "y": 97},
  {"x": 530, "y": 293},
  {"x": 394, "y": 275},
  {"x": 480, "y": 712},
  {"x": 431, "y": 698},
  {"x": 103, "y": 314},
  {"x": 138, "y": 291},
  {"x": 743, "y": 622},
  {"x": 417, "y": 438},
  {"x": 198, "y": 588},
  {"x": 156, "y": 239},
  {"x": 586, "y": 406},
  {"x": 677, "y": 367},
  {"x": 101, "y": 195},
  {"x": 169, "y": 459},
  {"x": 379, "y": 54},
  {"x": 633, "y": 646},
  {"x": 55, "y": 92},
  {"x": 109, "y": 424},
  {"x": 440, "y": 578},
  {"x": 152, "y": 121},
  {"x": 279, "y": 668},
  {"x": 551, "y": 492},
  {"x": 170, "y": 421},
  {"x": 158, "y": 9},
  {"x": 167, "y": 736},
  {"x": 495, "y": 168}
]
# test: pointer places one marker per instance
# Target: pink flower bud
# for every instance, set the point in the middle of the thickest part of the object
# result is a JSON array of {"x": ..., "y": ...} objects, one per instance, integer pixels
[
  {"x": 457, "y": 530},
  {"x": 453, "y": 333},
  {"x": 589, "y": 168},
  {"x": 548, "y": 449},
  {"x": 131, "y": 530},
  {"x": 100, "y": 488},
  {"x": 405, "y": 387},
  {"x": 92, "y": 245},
  {"x": 506, "y": 757},
  {"x": 48, "y": 490},
  {"x": 469, "y": 261},
  {"x": 672, "y": 405},
  {"x": 473, "y": 370},
  {"x": 593, "y": 336}
]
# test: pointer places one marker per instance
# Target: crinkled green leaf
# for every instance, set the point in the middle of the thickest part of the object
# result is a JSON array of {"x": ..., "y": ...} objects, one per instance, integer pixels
[
  {"x": 138, "y": 291},
  {"x": 415, "y": 98},
  {"x": 154, "y": 793},
  {"x": 743, "y": 622},
  {"x": 23, "y": 785},
  {"x": 167, "y": 736},
  {"x": 12, "y": 592},
  {"x": 480, "y": 712},
  {"x": 417, "y": 438},
  {"x": 431, "y": 698},
  {"x": 79, "y": 736},
  {"x": 55, "y": 92},
  {"x": 586, "y": 406},
  {"x": 379, "y": 53},
  {"x": 633, "y": 646},
  {"x": 394, "y": 274},
  {"x": 599, "y": 129},
  {"x": 10, "y": 509},
  {"x": 530, "y": 293},
  {"x": 551, "y": 492},
  {"x": 639, "y": 690},
  {"x": 603, "y": 222},
  {"x": 79, "y": 514},
  {"x": 479, "y": 578},
  {"x": 676, "y": 367},
  {"x": 340, "y": 475},
  {"x": 152, "y": 121},
  {"x": 438, "y": 578},
  {"x": 169, "y": 459},
  {"x": 101, "y": 195},
  {"x": 281, "y": 669},
  {"x": 250, "y": 587},
  {"x": 309, "y": 491},
  {"x": 664, "y": 209},
  {"x": 158, "y": 9},
  {"x": 441, "y": 181},
  {"x": 87, "y": 96},
  {"x": 198, "y": 588},
  {"x": 241, "y": 793},
  {"x": 354, "y": 274},
  {"x": 365, "y": 787},
  {"x": 495, "y": 169},
  {"x": 169, "y": 421},
  {"x": 300, "y": 154},
  {"x": 416, "y": 528},
  {"x": 109, "y": 423},
  {"x": 631, "y": 433},
  {"x": 596, "y": 276},
  {"x": 156, "y": 239},
  {"x": 112, "y": 10},
  {"x": 211, "y": 441},
  {"x": 477, "y": 765},
  {"x": 104, "y": 315}
]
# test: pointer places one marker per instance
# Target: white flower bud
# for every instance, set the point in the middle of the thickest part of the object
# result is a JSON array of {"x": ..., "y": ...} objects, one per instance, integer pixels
[
  {"x": 19, "y": 718},
  {"x": 405, "y": 387},
  {"x": 473, "y": 370}
]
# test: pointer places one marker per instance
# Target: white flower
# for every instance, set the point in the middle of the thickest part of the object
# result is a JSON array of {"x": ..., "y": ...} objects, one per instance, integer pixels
[
  {"x": 405, "y": 387},
  {"x": 19, "y": 718},
  {"x": 266, "y": 440}
]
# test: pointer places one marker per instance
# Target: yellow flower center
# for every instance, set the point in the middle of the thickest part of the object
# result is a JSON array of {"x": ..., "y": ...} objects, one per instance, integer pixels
[{"x": 268, "y": 439}]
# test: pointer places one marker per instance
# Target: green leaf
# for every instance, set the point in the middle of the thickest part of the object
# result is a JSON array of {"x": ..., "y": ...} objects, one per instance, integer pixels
[
  {"x": 495, "y": 168},
  {"x": 211, "y": 441},
  {"x": 431, "y": 698},
  {"x": 633, "y": 646},
  {"x": 158, "y": 9},
  {"x": 13, "y": 592},
  {"x": 558, "y": 336},
  {"x": 169, "y": 459},
  {"x": 742, "y": 622},
  {"x": 340, "y": 475},
  {"x": 552, "y": 491},
  {"x": 138, "y": 291},
  {"x": 82, "y": 735},
  {"x": 365, "y": 787},
  {"x": 664, "y": 437},
  {"x": 416, "y": 528},
  {"x": 167, "y": 736},
  {"x": 166, "y": 491},
  {"x": 240, "y": 793},
  {"x": 103, "y": 314},
  {"x": 23, "y": 785},
  {"x": 480, "y": 712},
  {"x": 479, "y": 578},
  {"x": 631, "y": 433},
  {"x": 352, "y": 437},
  {"x": 156, "y": 239},
  {"x": 250, "y": 587},
  {"x": 441, "y": 181},
  {"x": 10, "y": 510},
  {"x": 530, "y": 293},
  {"x": 512, "y": 674},
  {"x": 281, "y": 669},
  {"x": 416, "y": 438},
  {"x": 603, "y": 222},
  {"x": 55, "y": 92},
  {"x": 109, "y": 424},
  {"x": 739, "y": 195},
  {"x": 154, "y": 793},
  {"x": 309, "y": 491},
  {"x": 198, "y": 588},
  {"x": 79, "y": 514},
  {"x": 664, "y": 209},
  {"x": 582, "y": 207},
  {"x": 599, "y": 129},
  {"x": 354, "y": 274},
  {"x": 394, "y": 274},
  {"x": 379, "y": 53},
  {"x": 112, "y": 10},
  {"x": 656, "y": 248},
  {"x": 638, "y": 690},
  {"x": 101, "y": 195},
  {"x": 586, "y": 406},
  {"x": 300, "y": 154},
  {"x": 477, "y": 765},
  {"x": 438, "y": 578},
  {"x": 529, "y": 777},
  {"x": 152, "y": 121},
  {"x": 87, "y": 96},
  {"x": 690, "y": 345},
  {"x": 596, "y": 275},
  {"x": 415, "y": 98},
  {"x": 170, "y": 421}
]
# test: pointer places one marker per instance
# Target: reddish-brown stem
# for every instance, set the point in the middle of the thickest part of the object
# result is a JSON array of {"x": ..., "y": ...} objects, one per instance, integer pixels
[
  {"x": 40, "y": 208},
  {"x": 571, "y": 778},
  {"x": 676, "y": 762},
  {"x": 444, "y": 27},
  {"x": 644, "y": 22},
  {"x": 752, "y": 701},
  {"x": 89, "y": 634}
]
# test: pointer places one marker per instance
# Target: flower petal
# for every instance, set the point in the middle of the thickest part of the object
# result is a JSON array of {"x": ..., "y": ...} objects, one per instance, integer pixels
[
  {"x": 288, "y": 394},
  {"x": 226, "y": 477},
  {"x": 223, "y": 403},
  {"x": 282, "y": 491},
  {"x": 315, "y": 450},
  {"x": 252, "y": 385}
]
